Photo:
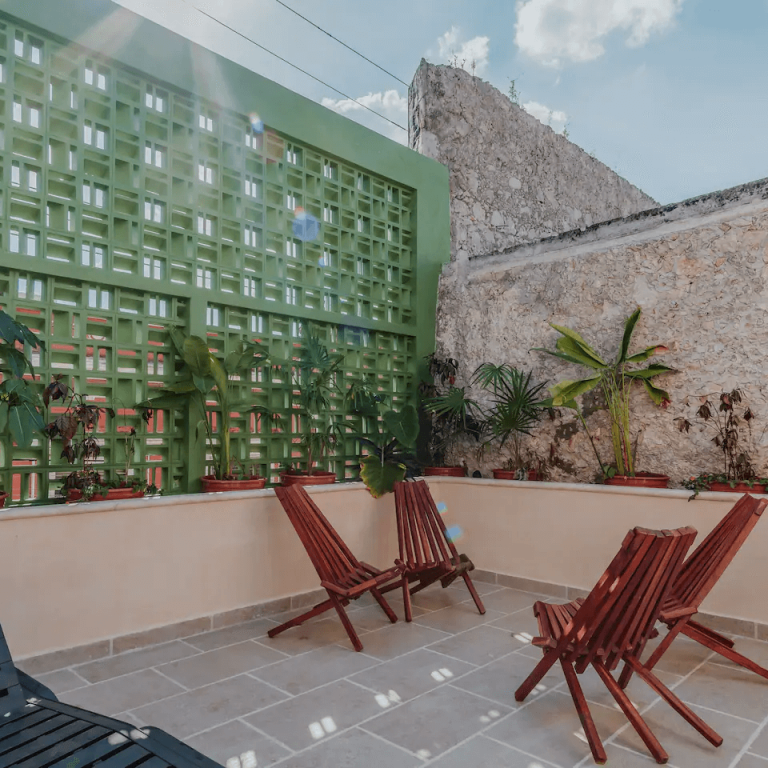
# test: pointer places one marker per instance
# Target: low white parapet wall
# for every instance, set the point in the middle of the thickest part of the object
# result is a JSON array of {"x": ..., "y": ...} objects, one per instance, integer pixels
[{"x": 109, "y": 576}]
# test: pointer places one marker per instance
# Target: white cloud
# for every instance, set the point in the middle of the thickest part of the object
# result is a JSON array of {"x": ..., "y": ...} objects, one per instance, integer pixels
[
  {"x": 464, "y": 54},
  {"x": 551, "y": 117},
  {"x": 553, "y": 31},
  {"x": 388, "y": 103}
]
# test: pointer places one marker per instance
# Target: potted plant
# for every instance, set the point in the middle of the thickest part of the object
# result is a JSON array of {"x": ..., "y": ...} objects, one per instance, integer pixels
[
  {"x": 515, "y": 411},
  {"x": 733, "y": 436},
  {"x": 315, "y": 379},
  {"x": 451, "y": 414},
  {"x": 77, "y": 428},
  {"x": 615, "y": 380},
  {"x": 204, "y": 376},
  {"x": 20, "y": 416}
]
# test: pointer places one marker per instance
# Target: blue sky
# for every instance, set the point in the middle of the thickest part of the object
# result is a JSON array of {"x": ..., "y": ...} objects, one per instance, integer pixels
[{"x": 671, "y": 94}]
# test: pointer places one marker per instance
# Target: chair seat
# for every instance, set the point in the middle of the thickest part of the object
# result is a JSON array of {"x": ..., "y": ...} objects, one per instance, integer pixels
[{"x": 554, "y": 619}]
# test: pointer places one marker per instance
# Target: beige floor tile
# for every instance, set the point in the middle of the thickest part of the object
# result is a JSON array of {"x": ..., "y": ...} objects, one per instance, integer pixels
[
  {"x": 61, "y": 681},
  {"x": 482, "y": 751},
  {"x": 371, "y": 617},
  {"x": 640, "y": 694},
  {"x": 236, "y": 739},
  {"x": 501, "y": 678},
  {"x": 749, "y": 760},
  {"x": 211, "y": 666},
  {"x": 482, "y": 587},
  {"x": 123, "y": 693},
  {"x": 314, "y": 633},
  {"x": 132, "y": 661},
  {"x": 510, "y": 600},
  {"x": 434, "y": 597},
  {"x": 522, "y": 623},
  {"x": 760, "y": 745},
  {"x": 433, "y": 723},
  {"x": 459, "y": 618},
  {"x": 727, "y": 689},
  {"x": 549, "y": 728},
  {"x": 397, "y": 639},
  {"x": 623, "y": 758},
  {"x": 685, "y": 746},
  {"x": 211, "y": 705},
  {"x": 249, "y": 630},
  {"x": 298, "y": 674},
  {"x": 353, "y": 749},
  {"x": 681, "y": 657},
  {"x": 479, "y": 645},
  {"x": 411, "y": 674},
  {"x": 304, "y": 720}
]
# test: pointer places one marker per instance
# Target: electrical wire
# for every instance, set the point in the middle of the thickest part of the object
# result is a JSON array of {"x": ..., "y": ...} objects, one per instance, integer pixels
[
  {"x": 303, "y": 71},
  {"x": 349, "y": 47}
]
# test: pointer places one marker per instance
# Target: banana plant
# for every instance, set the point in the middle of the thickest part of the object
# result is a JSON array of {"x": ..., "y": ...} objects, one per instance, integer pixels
[
  {"x": 205, "y": 375},
  {"x": 615, "y": 379},
  {"x": 19, "y": 401}
]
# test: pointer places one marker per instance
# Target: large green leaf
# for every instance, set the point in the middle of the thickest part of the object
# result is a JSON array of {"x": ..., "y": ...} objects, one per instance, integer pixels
[
  {"x": 656, "y": 369},
  {"x": 572, "y": 348},
  {"x": 219, "y": 376},
  {"x": 577, "y": 338},
  {"x": 16, "y": 360},
  {"x": 24, "y": 422},
  {"x": 10, "y": 330},
  {"x": 629, "y": 327},
  {"x": 490, "y": 376},
  {"x": 403, "y": 425},
  {"x": 196, "y": 356},
  {"x": 640, "y": 357},
  {"x": 564, "y": 391},
  {"x": 380, "y": 478},
  {"x": 454, "y": 403},
  {"x": 569, "y": 358},
  {"x": 659, "y": 396},
  {"x": 248, "y": 355},
  {"x": 3, "y": 416}
]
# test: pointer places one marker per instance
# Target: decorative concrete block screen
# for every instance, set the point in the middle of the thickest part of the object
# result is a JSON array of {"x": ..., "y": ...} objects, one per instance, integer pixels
[{"x": 133, "y": 202}]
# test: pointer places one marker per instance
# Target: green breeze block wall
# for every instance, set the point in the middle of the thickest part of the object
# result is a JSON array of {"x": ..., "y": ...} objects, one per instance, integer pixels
[{"x": 146, "y": 182}]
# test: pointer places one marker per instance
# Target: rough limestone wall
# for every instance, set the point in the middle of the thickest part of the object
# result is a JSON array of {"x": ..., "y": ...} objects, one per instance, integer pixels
[
  {"x": 699, "y": 272},
  {"x": 513, "y": 179}
]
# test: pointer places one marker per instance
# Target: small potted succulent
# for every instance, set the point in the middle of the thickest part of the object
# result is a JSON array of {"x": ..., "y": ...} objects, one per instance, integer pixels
[
  {"x": 616, "y": 380},
  {"x": 516, "y": 409},
  {"x": 450, "y": 413},
  {"x": 77, "y": 428},
  {"x": 20, "y": 404},
  {"x": 731, "y": 422},
  {"x": 315, "y": 380},
  {"x": 204, "y": 375}
]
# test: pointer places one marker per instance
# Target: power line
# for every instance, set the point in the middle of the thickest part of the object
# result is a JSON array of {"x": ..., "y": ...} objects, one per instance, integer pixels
[
  {"x": 349, "y": 47},
  {"x": 303, "y": 71}
]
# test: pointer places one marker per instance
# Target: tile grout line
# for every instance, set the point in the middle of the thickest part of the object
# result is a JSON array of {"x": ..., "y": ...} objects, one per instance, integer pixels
[{"x": 750, "y": 741}]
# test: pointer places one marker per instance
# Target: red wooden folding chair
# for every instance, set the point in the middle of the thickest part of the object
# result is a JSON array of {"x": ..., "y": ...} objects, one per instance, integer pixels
[
  {"x": 426, "y": 551},
  {"x": 698, "y": 575},
  {"x": 342, "y": 575},
  {"x": 612, "y": 624}
]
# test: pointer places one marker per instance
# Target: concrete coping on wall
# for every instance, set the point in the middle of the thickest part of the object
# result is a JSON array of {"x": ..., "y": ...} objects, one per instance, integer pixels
[{"x": 645, "y": 225}]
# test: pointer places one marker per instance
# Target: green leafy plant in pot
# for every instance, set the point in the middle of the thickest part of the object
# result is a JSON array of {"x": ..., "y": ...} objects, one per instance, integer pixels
[
  {"x": 615, "y": 379},
  {"x": 451, "y": 415},
  {"x": 20, "y": 403},
  {"x": 315, "y": 375},
  {"x": 205, "y": 376},
  {"x": 517, "y": 408}
]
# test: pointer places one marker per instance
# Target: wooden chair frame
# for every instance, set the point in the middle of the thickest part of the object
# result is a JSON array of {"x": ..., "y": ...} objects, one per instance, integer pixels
[
  {"x": 699, "y": 574},
  {"x": 612, "y": 624},
  {"x": 427, "y": 554},
  {"x": 341, "y": 574}
]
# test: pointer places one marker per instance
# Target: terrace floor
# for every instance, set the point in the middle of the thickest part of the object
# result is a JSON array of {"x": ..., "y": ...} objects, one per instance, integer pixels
[{"x": 438, "y": 692}]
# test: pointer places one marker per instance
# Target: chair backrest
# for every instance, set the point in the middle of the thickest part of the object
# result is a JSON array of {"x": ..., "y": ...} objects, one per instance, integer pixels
[
  {"x": 11, "y": 695},
  {"x": 705, "y": 566},
  {"x": 421, "y": 532},
  {"x": 329, "y": 554},
  {"x": 619, "y": 614}
]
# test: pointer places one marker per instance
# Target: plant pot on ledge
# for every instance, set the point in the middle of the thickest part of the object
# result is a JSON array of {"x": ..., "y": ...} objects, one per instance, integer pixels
[
  {"x": 445, "y": 471},
  {"x": 640, "y": 480},
  {"x": 127, "y": 492},
  {"x": 3, "y": 497},
  {"x": 738, "y": 488},
  {"x": 511, "y": 474},
  {"x": 252, "y": 483},
  {"x": 316, "y": 478}
]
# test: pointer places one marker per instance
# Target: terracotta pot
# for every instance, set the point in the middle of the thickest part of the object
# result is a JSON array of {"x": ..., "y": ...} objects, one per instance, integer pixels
[
  {"x": 212, "y": 485},
  {"x": 75, "y": 494},
  {"x": 738, "y": 488},
  {"x": 3, "y": 497},
  {"x": 316, "y": 478},
  {"x": 509, "y": 474},
  {"x": 445, "y": 471},
  {"x": 640, "y": 480}
]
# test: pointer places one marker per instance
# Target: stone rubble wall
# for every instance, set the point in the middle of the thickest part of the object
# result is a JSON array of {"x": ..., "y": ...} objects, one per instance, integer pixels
[
  {"x": 698, "y": 269},
  {"x": 513, "y": 179}
]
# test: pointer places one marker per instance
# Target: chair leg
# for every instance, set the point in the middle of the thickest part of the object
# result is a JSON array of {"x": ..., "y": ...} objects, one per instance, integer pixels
[
  {"x": 541, "y": 669},
  {"x": 643, "y": 731},
  {"x": 722, "y": 639},
  {"x": 384, "y": 605},
  {"x": 338, "y": 604},
  {"x": 407, "y": 599},
  {"x": 693, "y": 719},
  {"x": 714, "y": 645},
  {"x": 582, "y": 708},
  {"x": 294, "y": 622},
  {"x": 661, "y": 649},
  {"x": 473, "y": 592}
]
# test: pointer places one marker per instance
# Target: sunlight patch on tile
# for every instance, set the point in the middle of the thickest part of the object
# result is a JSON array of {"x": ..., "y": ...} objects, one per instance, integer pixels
[
  {"x": 382, "y": 700},
  {"x": 246, "y": 760},
  {"x": 523, "y": 637},
  {"x": 424, "y": 754}
]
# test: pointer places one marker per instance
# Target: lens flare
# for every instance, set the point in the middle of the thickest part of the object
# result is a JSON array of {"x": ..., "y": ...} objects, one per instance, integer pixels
[
  {"x": 305, "y": 226},
  {"x": 256, "y": 123},
  {"x": 441, "y": 508},
  {"x": 454, "y": 533}
]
